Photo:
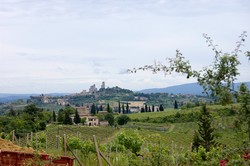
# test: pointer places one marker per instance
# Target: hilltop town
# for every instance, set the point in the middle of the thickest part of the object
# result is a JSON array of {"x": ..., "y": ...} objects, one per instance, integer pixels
[{"x": 102, "y": 96}]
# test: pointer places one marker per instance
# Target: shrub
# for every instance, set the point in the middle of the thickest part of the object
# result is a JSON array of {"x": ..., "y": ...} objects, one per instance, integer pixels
[
  {"x": 123, "y": 119},
  {"x": 130, "y": 140}
]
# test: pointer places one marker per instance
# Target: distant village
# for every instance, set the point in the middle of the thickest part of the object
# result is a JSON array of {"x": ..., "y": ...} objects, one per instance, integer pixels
[
  {"x": 46, "y": 99},
  {"x": 121, "y": 101},
  {"x": 84, "y": 109}
]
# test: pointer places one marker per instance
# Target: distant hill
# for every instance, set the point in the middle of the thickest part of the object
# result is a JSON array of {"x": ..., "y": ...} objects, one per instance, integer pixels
[
  {"x": 191, "y": 88},
  {"x": 13, "y": 97},
  {"x": 6, "y": 97}
]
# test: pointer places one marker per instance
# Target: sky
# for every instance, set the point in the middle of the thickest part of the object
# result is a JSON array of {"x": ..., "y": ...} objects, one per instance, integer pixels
[{"x": 49, "y": 46}]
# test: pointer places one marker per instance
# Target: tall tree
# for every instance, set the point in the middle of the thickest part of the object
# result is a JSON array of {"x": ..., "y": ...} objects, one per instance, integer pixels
[
  {"x": 93, "y": 109},
  {"x": 67, "y": 119},
  {"x": 123, "y": 109},
  {"x": 97, "y": 109},
  {"x": 153, "y": 108},
  {"x": 206, "y": 131},
  {"x": 109, "y": 109},
  {"x": 161, "y": 108},
  {"x": 77, "y": 118},
  {"x": 244, "y": 99},
  {"x": 60, "y": 116},
  {"x": 146, "y": 107},
  {"x": 149, "y": 109},
  {"x": 175, "y": 104},
  {"x": 101, "y": 108},
  {"x": 142, "y": 110},
  {"x": 127, "y": 108},
  {"x": 119, "y": 107},
  {"x": 54, "y": 116}
]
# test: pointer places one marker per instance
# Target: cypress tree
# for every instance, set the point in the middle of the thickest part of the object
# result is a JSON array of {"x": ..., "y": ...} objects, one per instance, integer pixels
[
  {"x": 67, "y": 119},
  {"x": 101, "y": 108},
  {"x": 244, "y": 117},
  {"x": 77, "y": 118},
  {"x": 142, "y": 110},
  {"x": 93, "y": 109},
  {"x": 119, "y": 107},
  {"x": 127, "y": 108},
  {"x": 97, "y": 109},
  {"x": 161, "y": 108},
  {"x": 123, "y": 109},
  {"x": 206, "y": 131},
  {"x": 54, "y": 116},
  {"x": 109, "y": 110},
  {"x": 146, "y": 107},
  {"x": 175, "y": 104}
]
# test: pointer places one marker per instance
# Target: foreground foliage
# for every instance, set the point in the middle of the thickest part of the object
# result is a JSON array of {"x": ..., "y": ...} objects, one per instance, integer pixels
[{"x": 217, "y": 79}]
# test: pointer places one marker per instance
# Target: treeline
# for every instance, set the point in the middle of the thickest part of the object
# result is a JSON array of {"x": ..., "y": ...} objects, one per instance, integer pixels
[
  {"x": 33, "y": 119},
  {"x": 30, "y": 119}
]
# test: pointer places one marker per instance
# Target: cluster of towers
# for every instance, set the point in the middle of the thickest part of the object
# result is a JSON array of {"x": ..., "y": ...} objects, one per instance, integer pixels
[{"x": 93, "y": 88}]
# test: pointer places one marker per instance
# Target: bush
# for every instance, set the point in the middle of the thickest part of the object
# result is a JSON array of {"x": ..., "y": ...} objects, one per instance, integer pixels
[
  {"x": 110, "y": 118},
  {"x": 131, "y": 141},
  {"x": 123, "y": 119}
]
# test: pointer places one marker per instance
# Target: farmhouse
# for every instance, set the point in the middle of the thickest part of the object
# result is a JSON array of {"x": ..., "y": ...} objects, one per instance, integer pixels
[
  {"x": 92, "y": 121},
  {"x": 89, "y": 120}
]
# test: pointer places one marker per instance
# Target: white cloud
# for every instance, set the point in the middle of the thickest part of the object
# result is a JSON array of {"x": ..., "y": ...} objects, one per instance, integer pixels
[{"x": 94, "y": 9}]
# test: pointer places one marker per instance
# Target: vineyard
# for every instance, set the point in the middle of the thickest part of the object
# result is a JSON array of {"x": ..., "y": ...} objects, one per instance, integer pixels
[
  {"x": 134, "y": 147},
  {"x": 139, "y": 142}
]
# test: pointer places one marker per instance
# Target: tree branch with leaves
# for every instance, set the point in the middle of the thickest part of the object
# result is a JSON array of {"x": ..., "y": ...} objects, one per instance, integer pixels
[{"x": 216, "y": 79}]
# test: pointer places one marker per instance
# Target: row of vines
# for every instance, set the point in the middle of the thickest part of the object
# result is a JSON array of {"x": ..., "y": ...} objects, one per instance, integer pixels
[{"x": 131, "y": 147}]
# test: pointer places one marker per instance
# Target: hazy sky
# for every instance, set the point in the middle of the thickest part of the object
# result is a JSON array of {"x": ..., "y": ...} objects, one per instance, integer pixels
[{"x": 68, "y": 45}]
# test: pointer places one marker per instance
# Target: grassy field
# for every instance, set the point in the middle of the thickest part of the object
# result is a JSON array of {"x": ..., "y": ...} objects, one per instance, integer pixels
[
  {"x": 182, "y": 133},
  {"x": 166, "y": 112},
  {"x": 212, "y": 108}
]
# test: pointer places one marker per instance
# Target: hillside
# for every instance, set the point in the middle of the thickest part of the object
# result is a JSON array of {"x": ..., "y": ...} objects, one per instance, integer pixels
[
  {"x": 192, "y": 88},
  {"x": 122, "y": 94},
  {"x": 100, "y": 97},
  {"x": 8, "y": 97},
  {"x": 167, "y": 134},
  {"x": 12, "y": 97}
]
